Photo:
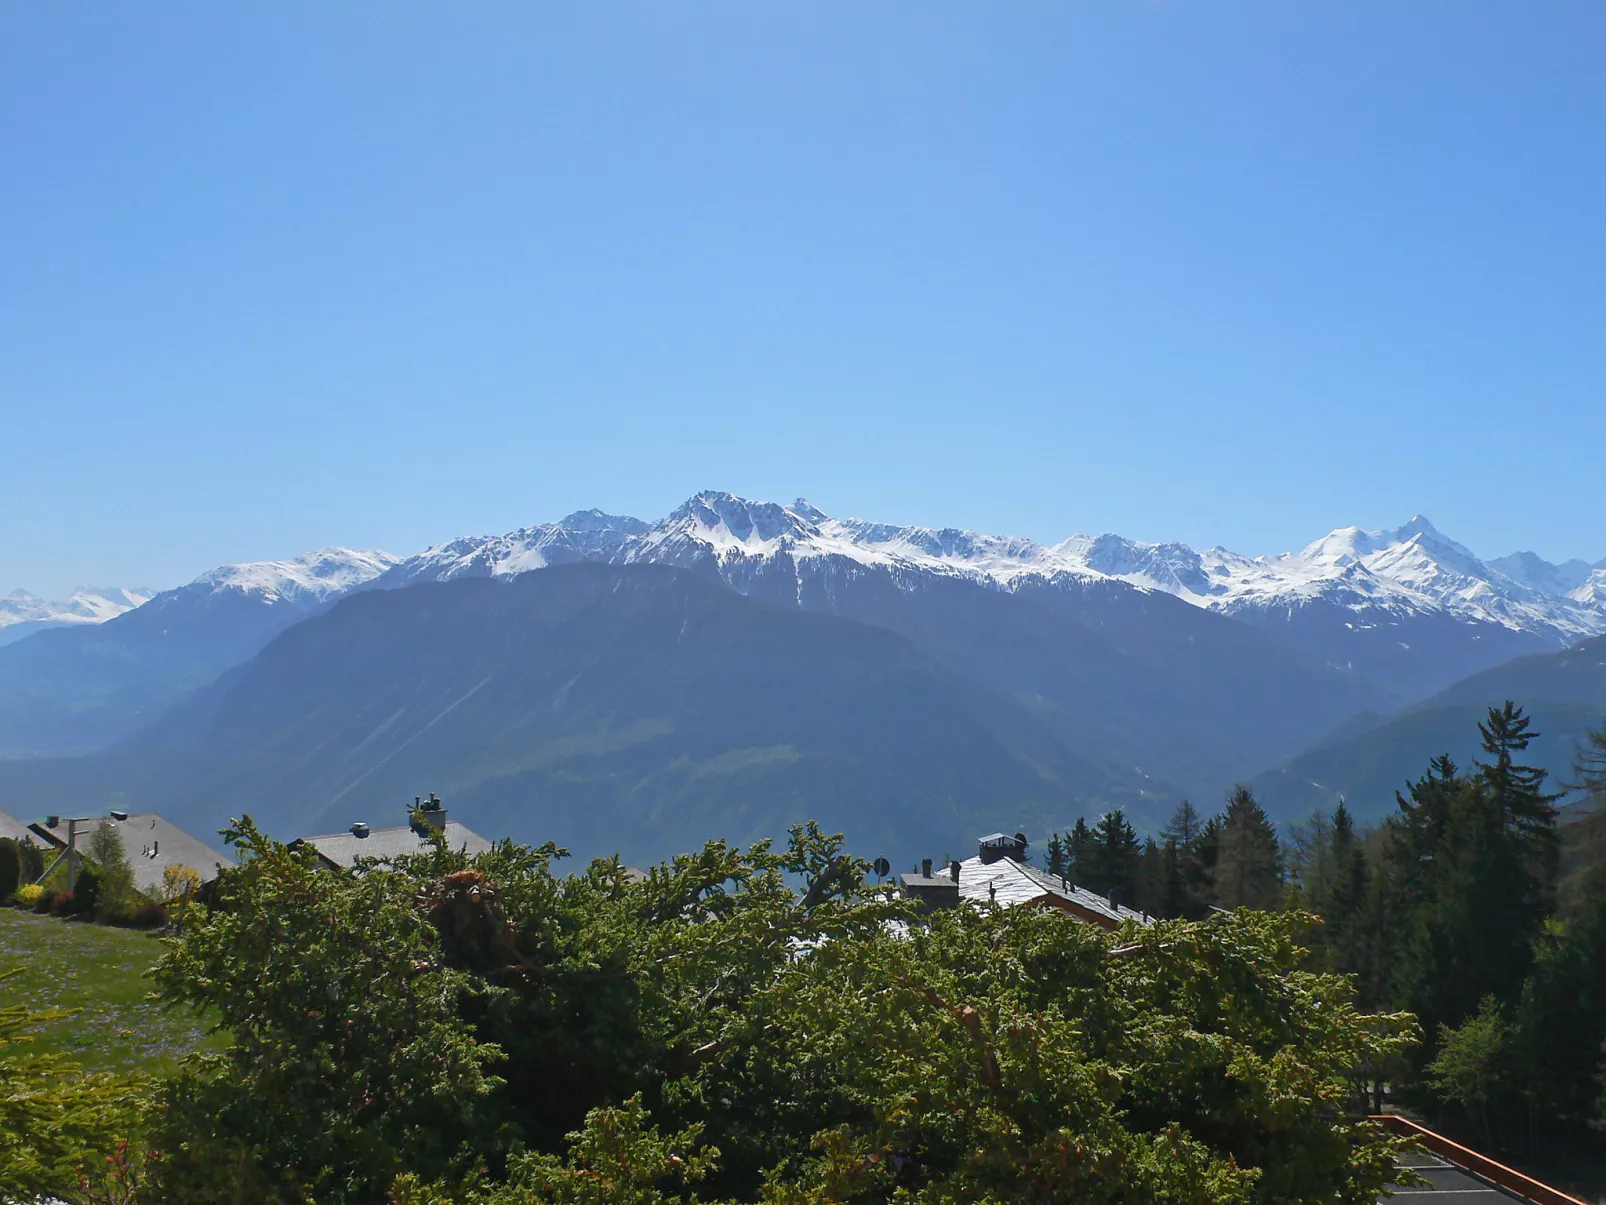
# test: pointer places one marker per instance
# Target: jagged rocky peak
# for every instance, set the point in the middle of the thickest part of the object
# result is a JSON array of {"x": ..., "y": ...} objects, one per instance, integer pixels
[
  {"x": 600, "y": 521},
  {"x": 1169, "y": 566},
  {"x": 722, "y": 516}
]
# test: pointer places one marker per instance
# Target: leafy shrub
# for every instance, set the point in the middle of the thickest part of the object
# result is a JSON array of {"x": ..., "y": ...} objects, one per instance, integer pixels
[
  {"x": 62, "y": 903},
  {"x": 87, "y": 893},
  {"x": 33, "y": 860},
  {"x": 713, "y": 1023},
  {"x": 29, "y": 895},
  {"x": 179, "y": 882},
  {"x": 57, "y": 1118},
  {"x": 117, "y": 898},
  {"x": 149, "y": 915}
]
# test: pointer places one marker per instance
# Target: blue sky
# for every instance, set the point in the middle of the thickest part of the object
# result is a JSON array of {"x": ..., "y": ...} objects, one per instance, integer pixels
[{"x": 276, "y": 276}]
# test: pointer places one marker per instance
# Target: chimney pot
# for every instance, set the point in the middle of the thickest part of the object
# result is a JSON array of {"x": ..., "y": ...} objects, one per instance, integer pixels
[{"x": 925, "y": 867}]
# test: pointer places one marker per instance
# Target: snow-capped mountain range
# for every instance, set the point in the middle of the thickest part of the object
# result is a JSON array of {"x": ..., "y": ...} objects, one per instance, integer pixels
[
  {"x": 1410, "y": 569},
  {"x": 313, "y": 578},
  {"x": 1394, "y": 590},
  {"x": 22, "y": 613}
]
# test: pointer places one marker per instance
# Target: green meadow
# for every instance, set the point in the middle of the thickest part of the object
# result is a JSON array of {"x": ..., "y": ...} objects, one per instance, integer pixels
[{"x": 99, "y": 973}]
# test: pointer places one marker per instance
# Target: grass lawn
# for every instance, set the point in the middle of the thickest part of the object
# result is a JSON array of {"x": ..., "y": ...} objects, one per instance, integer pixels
[{"x": 99, "y": 971}]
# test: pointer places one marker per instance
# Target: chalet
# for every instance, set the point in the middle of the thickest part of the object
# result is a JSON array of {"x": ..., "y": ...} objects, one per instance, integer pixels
[
  {"x": 341, "y": 850},
  {"x": 150, "y": 843},
  {"x": 1000, "y": 875}
]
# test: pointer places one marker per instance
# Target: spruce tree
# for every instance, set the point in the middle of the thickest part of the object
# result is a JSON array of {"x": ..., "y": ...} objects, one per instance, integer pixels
[
  {"x": 1346, "y": 902},
  {"x": 1151, "y": 891},
  {"x": 1183, "y": 850},
  {"x": 1472, "y": 873},
  {"x": 1589, "y": 766},
  {"x": 1058, "y": 865},
  {"x": 117, "y": 894},
  {"x": 1561, "y": 1018},
  {"x": 1248, "y": 870},
  {"x": 1527, "y": 811},
  {"x": 1079, "y": 860},
  {"x": 1114, "y": 852}
]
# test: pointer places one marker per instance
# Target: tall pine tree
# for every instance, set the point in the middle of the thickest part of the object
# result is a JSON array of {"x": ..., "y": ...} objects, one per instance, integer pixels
[
  {"x": 1114, "y": 854},
  {"x": 1248, "y": 868}
]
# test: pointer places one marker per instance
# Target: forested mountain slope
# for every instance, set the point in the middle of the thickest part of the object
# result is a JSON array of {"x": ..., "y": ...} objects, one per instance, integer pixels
[{"x": 1564, "y": 692}]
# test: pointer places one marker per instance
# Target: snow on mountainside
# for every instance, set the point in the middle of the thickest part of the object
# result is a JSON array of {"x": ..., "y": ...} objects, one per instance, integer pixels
[
  {"x": 88, "y": 604},
  {"x": 731, "y": 532},
  {"x": 22, "y": 613},
  {"x": 311, "y": 578},
  {"x": 586, "y": 535},
  {"x": 1407, "y": 610},
  {"x": 1411, "y": 570}
]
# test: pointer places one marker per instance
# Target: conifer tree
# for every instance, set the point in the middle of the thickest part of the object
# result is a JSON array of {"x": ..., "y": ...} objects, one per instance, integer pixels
[
  {"x": 1589, "y": 766},
  {"x": 1079, "y": 858},
  {"x": 1114, "y": 853},
  {"x": 1248, "y": 869},
  {"x": 1151, "y": 891},
  {"x": 1058, "y": 865},
  {"x": 116, "y": 894},
  {"x": 1184, "y": 826},
  {"x": 1527, "y": 812},
  {"x": 1473, "y": 868},
  {"x": 1183, "y": 850},
  {"x": 1561, "y": 1018}
]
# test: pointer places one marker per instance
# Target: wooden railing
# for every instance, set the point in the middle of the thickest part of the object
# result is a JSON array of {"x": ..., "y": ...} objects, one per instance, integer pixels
[{"x": 1479, "y": 1165}]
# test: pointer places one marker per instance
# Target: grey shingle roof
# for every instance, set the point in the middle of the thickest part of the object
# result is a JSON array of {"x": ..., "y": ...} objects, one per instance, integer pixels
[
  {"x": 151, "y": 844},
  {"x": 343, "y": 849},
  {"x": 11, "y": 827},
  {"x": 1007, "y": 882}
]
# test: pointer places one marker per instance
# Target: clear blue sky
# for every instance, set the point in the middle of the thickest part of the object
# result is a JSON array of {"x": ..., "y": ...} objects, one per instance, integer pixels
[{"x": 280, "y": 275}]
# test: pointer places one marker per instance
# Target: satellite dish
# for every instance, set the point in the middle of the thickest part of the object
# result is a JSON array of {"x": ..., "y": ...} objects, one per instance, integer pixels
[{"x": 882, "y": 868}]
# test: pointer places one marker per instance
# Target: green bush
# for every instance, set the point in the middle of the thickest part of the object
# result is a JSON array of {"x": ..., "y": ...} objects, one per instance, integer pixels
[
  {"x": 33, "y": 861},
  {"x": 397, "y": 1027},
  {"x": 149, "y": 915},
  {"x": 10, "y": 868},
  {"x": 86, "y": 894},
  {"x": 117, "y": 898},
  {"x": 57, "y": 1118}
]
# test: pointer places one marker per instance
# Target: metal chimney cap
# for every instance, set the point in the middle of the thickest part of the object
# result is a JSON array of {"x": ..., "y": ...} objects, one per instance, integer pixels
[{"x": 359, "y": 829}]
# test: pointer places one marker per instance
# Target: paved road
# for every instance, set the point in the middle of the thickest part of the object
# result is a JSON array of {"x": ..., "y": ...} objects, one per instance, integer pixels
[{"x": 1447, "y": 1185}]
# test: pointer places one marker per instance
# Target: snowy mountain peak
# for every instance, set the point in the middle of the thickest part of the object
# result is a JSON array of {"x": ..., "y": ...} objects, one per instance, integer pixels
[
  {"x": 88, "y": 604},
  {"x": 601, "y": 521},
  {"x": 724, "y": 519},
  {"x": 1531, "y": 570},
  {"x": 312, "y": 577},
  {"x": 1381, "y": 576}
]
